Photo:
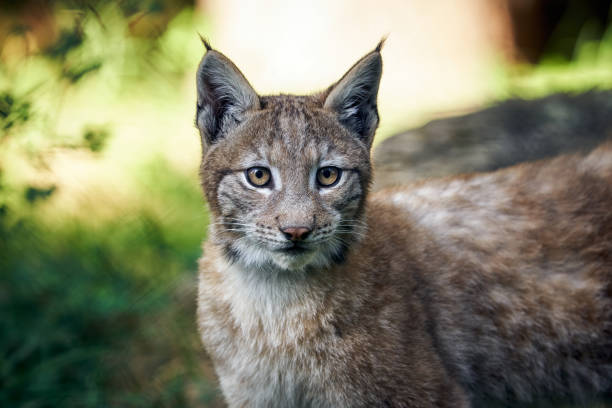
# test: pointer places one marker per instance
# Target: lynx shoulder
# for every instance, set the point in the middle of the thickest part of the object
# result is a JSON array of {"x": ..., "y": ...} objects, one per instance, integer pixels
[{"x": 445, "y": 293}]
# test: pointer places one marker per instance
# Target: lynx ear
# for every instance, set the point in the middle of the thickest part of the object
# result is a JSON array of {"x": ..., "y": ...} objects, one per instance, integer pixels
[
  {"x": 224, "y": 95},
  {"x": 353, "y": 98}
]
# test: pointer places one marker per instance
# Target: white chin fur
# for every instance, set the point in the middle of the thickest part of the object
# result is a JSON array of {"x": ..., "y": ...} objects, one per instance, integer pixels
[
  {"x": 292, "y": 262},
  {"x": 253, "y": 255}
]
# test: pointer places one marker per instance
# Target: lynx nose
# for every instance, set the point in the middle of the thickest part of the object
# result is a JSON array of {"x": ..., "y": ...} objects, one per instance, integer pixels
[{"x": 296, "y": 233}]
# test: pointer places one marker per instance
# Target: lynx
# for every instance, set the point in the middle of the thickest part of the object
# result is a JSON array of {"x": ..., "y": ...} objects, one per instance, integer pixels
[{"x": 453, "y": 292}]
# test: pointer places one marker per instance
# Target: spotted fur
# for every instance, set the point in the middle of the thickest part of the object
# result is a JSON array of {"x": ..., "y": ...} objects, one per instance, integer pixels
[{"x": 447, "y": 293}]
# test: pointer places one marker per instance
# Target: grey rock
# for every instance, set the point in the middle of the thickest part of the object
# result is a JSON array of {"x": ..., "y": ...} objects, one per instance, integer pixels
[{"x": 514, "y": 131}]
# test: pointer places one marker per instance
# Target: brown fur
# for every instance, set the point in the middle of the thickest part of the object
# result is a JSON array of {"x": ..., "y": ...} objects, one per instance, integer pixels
[{"x": 446, "y": 293}]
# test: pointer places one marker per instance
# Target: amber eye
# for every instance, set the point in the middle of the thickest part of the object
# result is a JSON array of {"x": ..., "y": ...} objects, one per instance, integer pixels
[
  {"x": 258, "y": 176},
  {"x": 328, "y": 176}
]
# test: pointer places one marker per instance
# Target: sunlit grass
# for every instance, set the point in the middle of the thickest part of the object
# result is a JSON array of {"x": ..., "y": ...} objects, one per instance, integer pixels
[{"x": 590, "y": 68}]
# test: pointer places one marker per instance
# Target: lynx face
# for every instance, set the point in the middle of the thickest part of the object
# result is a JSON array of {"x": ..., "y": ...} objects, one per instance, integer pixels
[
  {"x": 286, "y": 176},
  {"x": 292, "y": 189}
]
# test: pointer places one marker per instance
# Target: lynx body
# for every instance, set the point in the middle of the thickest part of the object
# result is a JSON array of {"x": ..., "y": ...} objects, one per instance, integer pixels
[{"x": 445, "y": 293}]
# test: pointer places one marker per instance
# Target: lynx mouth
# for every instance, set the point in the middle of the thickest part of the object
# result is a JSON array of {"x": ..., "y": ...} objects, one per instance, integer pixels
[{"x": 295, "y": 249}]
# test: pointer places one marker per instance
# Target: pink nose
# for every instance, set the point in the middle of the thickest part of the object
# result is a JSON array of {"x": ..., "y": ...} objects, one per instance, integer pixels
[{"x": 296, "y": 233}]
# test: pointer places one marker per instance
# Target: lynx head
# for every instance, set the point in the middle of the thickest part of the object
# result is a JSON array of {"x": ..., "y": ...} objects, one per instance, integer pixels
[{"x": 286, "y": 176}]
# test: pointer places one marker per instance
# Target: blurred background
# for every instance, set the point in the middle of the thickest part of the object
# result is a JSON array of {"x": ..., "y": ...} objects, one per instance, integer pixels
[{"x": 101, "y": 216}]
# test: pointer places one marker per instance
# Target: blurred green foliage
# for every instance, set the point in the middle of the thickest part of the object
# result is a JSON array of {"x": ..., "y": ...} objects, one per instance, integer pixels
[
  {"x": 12, "y": 112},
  {"x": 98, "y": 310},
  {"x": 95, "y": 139},
  {"x": 94, "y": 317}
]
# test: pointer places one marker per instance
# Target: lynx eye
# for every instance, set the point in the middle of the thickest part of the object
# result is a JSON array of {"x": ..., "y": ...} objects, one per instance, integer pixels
[
  {"x": 328, "y": 176},
  {"x": 258, "y": 176}
]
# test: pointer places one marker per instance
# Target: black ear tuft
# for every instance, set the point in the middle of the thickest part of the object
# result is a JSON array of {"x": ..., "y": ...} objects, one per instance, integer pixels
[
  {"x": 353, "y": 98},
  {"x": 205, "y": 42},
  {"x": 380, "y": 44},
  {"x": 224, "y": 96}
]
